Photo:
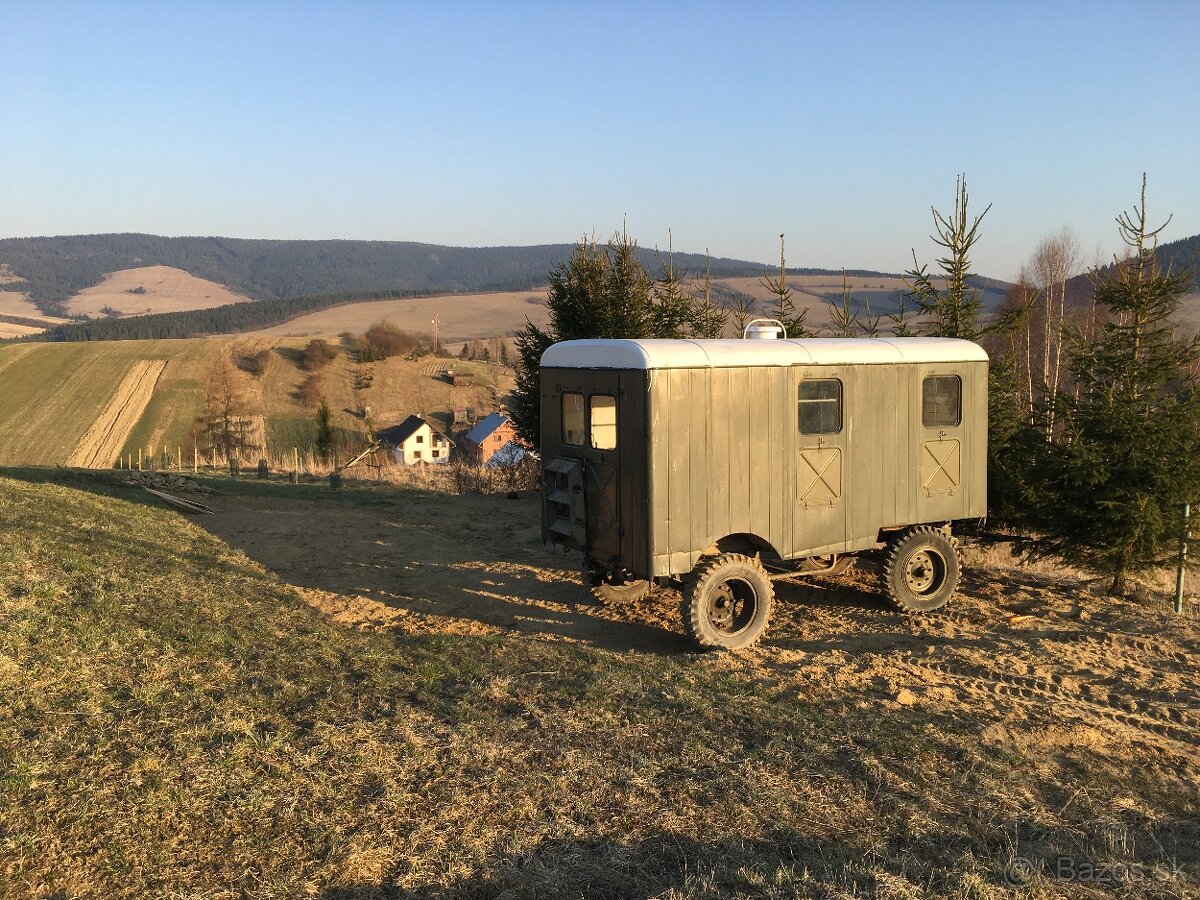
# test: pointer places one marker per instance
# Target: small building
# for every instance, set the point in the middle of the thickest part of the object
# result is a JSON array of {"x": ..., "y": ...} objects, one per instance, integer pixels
[
  {"x": 416, "y": 441},
  {"x": 492, "y": 433},
  {"x": 459, "y": 379},
  {"x": 460, "y": 418}
]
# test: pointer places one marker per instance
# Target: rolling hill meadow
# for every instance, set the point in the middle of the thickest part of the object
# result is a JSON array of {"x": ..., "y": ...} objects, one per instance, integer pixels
[
  {"x": 55, "y": 392},
  {"x": 395, "y": 688}
]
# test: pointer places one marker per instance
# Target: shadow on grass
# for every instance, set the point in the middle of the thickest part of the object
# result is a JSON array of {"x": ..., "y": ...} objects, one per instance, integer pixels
[
  {"x": 386, "y": 553},
  {"x": 666, "y": 864}
]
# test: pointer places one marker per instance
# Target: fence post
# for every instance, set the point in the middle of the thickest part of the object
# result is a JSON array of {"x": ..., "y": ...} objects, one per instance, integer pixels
[
  {"x": 195, "y": 459},
  {"x": 1183, "y": 548}
]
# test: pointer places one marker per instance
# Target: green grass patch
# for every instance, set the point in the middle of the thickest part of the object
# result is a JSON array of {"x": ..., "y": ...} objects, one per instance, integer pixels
[{"x": 175, "y": 721}]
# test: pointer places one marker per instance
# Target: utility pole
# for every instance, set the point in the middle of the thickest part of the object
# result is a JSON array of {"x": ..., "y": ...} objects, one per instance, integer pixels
[{"x": 435, "y": 334}]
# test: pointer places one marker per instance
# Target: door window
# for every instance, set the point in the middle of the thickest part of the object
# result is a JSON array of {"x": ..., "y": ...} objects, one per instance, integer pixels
[
  {"x": 572, "y": 419},
  {"x": 941, "y": 401},
  {"x": 820, "y": 404},
  {"x": 604, "y": 422}
]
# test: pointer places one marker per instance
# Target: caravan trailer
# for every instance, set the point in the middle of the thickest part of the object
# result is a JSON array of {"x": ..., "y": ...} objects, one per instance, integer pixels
[{"x": 721, "y": 465}]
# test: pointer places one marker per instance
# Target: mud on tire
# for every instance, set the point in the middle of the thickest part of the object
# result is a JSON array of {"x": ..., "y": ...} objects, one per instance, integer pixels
[
  {"x": 920, "y": 569},
  {"x": 727, "y": 603},
  {"x": 611, "y": 593}
]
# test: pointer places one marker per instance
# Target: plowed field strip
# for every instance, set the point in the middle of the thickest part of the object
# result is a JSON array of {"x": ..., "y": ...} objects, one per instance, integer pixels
[{"x": 99, "y": 446}]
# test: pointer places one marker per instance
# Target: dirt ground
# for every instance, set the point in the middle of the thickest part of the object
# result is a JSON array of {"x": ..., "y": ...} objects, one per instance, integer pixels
[{"x": 1030, "y": 657}]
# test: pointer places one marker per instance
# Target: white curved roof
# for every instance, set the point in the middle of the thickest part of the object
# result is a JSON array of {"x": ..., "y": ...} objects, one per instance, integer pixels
[{"x": 712, "y": 354}]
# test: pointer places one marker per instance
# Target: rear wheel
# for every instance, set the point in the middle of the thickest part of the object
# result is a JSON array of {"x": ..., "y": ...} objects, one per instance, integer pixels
[
  {"x": 920, "y": 569},
  {"x": 727, "y": 603}
]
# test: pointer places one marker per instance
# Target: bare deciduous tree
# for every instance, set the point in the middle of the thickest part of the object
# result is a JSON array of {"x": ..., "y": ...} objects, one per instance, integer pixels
[{"x": 1054, "y": 262}]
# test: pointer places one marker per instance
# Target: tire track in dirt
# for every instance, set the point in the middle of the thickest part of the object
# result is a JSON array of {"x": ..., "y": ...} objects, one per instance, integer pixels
[
  {"x": 1165, "y": 657},
  {"x": 99, "y": 446},
  {"x": 1156, "y": 718}
]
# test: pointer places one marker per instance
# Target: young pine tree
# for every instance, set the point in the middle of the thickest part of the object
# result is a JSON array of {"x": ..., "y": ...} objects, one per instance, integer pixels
[
  {"x": 1110, "y": 486},
  {"x": 600, "y": 292},
  {"x": 783, "y": 308},
  {"x": 671, "y": 311},
  {"x": 954, "y": 310},
  {"x": 708, "y": 318},
  {"x": 843, "y": 313},
  {"x": 325, "y": 434}
]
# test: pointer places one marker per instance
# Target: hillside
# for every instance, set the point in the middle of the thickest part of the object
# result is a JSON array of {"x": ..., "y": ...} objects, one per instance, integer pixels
[
  {"x": 149, "y": 289},
  {"x": 50, "y": 270},
  {"x": 1183, "y": 254},
  {"x": 177, "y": 721},
  {"x": 460, "y": 316},
  {"x": 54, "y": 393},
  {"x": 18, "y": 315}
]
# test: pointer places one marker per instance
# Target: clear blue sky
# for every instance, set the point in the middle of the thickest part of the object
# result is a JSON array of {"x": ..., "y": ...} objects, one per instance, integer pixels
[{"x": 522, "y": 123}]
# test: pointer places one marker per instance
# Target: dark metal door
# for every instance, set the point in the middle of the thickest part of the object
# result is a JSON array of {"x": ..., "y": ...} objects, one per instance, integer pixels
[
  {"x": 588, "y": 407},
  {"x": 601, "y": 450}
]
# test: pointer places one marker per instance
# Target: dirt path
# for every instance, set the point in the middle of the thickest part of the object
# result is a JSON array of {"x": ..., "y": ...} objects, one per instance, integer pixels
[
  {"x": 1034, "y": 659},
  {"x": 100, "y": 444}
]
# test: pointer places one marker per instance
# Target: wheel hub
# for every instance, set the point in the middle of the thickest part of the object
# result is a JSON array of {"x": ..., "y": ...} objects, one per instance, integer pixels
[{"x": 920, "y": 572}]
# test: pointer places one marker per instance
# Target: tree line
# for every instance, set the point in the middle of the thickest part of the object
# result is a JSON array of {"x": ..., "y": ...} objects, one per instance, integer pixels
[
  {"x": 1094, "y": 395},
  {"x": 55, "y": 268},
  {"x": 229, "y": 319}
]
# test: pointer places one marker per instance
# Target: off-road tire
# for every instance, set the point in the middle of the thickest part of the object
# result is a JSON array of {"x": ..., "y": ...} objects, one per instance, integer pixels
[
  {"x": 609, "y": 594},
  {"x": 727, "y": 603},
  {"x": 920, "y": 569}
]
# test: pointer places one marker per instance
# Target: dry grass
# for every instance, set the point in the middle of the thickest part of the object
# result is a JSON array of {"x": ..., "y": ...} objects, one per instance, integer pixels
[
  {"x": 17, "y": 304},
  {"x": 53, "y": 393},
  {"x": 460, "y": 316},
  {"x": 174, "y": 721},
  {"x": 166, "y": 290}
]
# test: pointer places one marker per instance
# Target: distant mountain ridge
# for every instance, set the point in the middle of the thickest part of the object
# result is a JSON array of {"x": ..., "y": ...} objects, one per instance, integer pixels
[
  {"x": 55, "y": 268},
  {"x": 1182, "y": 254}
]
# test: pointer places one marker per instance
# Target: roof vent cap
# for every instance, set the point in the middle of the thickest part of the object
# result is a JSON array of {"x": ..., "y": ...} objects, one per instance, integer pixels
[{"x": 764, "y": 330}]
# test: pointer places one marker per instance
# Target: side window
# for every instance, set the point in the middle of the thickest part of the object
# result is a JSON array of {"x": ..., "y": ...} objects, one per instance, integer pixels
[
  {"x": 604, "y": 422},
  {"x": 941, "y": 401},
  {"x": 572, "y": 419},
  {"x": 820, "y": 404}
]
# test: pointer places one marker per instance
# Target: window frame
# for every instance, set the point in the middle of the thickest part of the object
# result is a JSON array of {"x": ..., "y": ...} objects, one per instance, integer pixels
[
  {"x": 583, "y": 424},
  {"x": 591, "y": 427},
  {"x": 839, "y": 399},
  {"x": 959, "y": 407}
]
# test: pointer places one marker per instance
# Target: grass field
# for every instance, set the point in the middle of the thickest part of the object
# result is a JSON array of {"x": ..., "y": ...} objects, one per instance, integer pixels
[
  {"x": 164, "y": 289},
  {"x": 176, "y": 721},
  {"x": 51, "y": 394},
  {"x": 461, "y": 316},
  {"x": 464, "y": 316}
]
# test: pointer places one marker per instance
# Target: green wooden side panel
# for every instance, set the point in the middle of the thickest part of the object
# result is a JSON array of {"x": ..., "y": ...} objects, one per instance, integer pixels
[
  {"x": 720, "y": 476},
  {"x": 658, "y": 390},
  {"x": 736, "y": 418},
  {"x": 680, "y": 436},
  {"x": 759, "y": 401},
  {"x": 778, "y": 448},
  {"x": 635, "y": 450},
  {"x": 700, "y": 451}
]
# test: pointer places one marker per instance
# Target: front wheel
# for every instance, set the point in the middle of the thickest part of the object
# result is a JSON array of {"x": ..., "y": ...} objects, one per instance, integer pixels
[
  {"x": 920, "y": 569},
  {"x": 727, "y": 603}
]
